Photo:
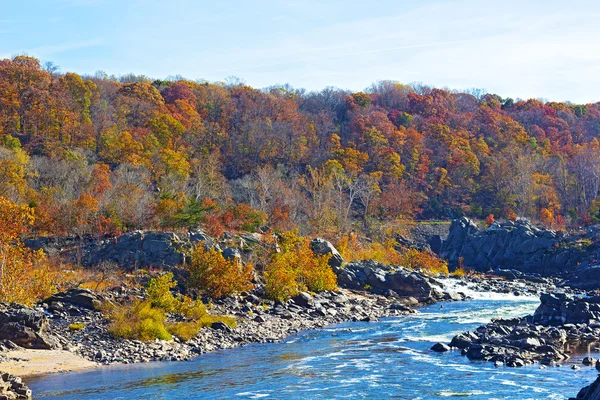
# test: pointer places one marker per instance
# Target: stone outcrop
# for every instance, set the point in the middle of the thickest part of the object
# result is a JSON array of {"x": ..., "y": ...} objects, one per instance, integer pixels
[
  {"x": 386, "y": 279},
  {"x": 140, "y": 249},
  {"x": 561, "y": 309},
  {"x": 517, "y": 245},
  {"x": 323, "y": 247},
  {"x": 12, "y": 387},
  {"x": 25, "y": 327},
  {"x": 590, "y": 392}
]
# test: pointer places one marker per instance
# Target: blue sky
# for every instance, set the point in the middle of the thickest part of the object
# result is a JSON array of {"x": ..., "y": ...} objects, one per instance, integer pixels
[{"x": 543, "y": 49}]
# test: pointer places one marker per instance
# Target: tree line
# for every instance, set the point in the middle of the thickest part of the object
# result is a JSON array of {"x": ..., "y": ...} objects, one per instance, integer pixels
[{"x": 99, "y": 154}]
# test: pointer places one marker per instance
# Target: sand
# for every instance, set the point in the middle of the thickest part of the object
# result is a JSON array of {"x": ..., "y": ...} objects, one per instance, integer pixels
[{"x": 36, "y": 362}]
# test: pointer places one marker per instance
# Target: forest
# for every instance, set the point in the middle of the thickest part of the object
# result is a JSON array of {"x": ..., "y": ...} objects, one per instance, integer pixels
[{"x": 100, "y": 155}]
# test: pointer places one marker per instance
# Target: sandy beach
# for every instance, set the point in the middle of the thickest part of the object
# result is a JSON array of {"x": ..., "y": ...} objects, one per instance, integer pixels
[{"x": 35, "y": 362}]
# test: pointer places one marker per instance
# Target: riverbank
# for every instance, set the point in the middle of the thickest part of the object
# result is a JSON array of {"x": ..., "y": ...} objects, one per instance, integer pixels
[
  {"x": 385, "y": 359},
  {"x": 28, "y": 362},
  {"x": 259, "y": 321}
]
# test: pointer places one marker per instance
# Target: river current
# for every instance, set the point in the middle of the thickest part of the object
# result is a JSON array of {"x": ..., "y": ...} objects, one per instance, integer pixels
[{"x": 389, "y": 359}]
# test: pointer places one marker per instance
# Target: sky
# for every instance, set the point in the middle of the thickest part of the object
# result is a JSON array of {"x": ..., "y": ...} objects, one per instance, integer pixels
[{"x": 522, "y": 49}]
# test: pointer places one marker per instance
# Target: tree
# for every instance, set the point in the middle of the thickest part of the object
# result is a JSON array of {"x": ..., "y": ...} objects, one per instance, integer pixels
[{"x": 22, "y": 278}]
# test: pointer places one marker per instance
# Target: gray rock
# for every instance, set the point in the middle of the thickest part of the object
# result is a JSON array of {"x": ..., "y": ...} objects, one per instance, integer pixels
[
  {"x": 323, "y": 247},
  {"x": 440, "y": 347}
]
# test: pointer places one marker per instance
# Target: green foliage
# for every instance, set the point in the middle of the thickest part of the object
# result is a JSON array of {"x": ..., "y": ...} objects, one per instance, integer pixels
[
  {"x": 193, "y": 214},
  {"x": 139, "y": 321},
  {"x": 159, "y": 293}
]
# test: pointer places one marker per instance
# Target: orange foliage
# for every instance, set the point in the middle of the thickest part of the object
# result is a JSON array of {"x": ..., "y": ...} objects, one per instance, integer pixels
[
  {"x": 24, "y": 277},
  {"x": 212, "y": 274}
]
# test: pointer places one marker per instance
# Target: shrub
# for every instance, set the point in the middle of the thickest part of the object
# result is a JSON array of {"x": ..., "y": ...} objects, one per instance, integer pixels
[
  {"x": 414, "y": 259},
  {"x": 354, "y": 250},
  {"x": 159, "y": 292},
  {"x": 296, "y": 268},
  {"x": 147, "y": 320},
  {"x": 76, "y": 327},
  {"x": 212, "y": 274},
  {"x": 459, "y": 272},
  {"x": 139, "y": 321}
]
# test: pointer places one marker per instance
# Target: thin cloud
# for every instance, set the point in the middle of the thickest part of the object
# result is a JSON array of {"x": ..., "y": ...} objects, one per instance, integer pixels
[
  {"x": 354, "y": 53},
  {"x": 63, "y": 47}
]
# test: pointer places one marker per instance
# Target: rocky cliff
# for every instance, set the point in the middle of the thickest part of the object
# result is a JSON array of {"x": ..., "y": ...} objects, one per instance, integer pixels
[{"x": 521, "y": 246}]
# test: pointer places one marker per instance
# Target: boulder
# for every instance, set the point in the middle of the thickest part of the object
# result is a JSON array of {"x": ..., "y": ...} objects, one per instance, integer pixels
[
  {"x": 25, "y": 327},
  {"x": 323, "y": 247},
  {"x": 232, "y": 253},
  {"x": 79, "y": 297},
  {"x": 12, "y": 387},
  {"x": 516, "y": 246},
  {"x": 303, "y": 299},
  {"x": 383, "y": 278},
  {"x": 440, "y": 347}
]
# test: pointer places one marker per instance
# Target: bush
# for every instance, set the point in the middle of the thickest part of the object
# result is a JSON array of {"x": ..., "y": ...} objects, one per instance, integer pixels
[
  {"x": 76, "y": 327},
  {"x": 147, "y": 320},
  {"x": 429, "y": 263},
  {"x": 354, "y": 250},
  {"x": 139, "y": 321},
  {"x": 159, "y": 292},
  {"x": 296, "y": 268},
  {"x": 212, "y": 274},
  {"x": 459, "y": 272}
]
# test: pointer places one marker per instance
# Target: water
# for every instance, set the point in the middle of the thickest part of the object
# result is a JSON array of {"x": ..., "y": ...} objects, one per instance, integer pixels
[{"x": 387, "y": 359}]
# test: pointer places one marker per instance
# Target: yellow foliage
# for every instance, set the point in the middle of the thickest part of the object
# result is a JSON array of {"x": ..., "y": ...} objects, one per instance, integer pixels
[
  {"x": 429, "y": 263},
  {"x": 139, "y": 321},
  {"x": 296, "y": 268},
  {"x": 76, "y": 327},
  {"x": 354, "y": 250},
  {"x": 459, "y": 272},
  {"x": 211, "y": 273},
  {"x": 146, "y": 320}
]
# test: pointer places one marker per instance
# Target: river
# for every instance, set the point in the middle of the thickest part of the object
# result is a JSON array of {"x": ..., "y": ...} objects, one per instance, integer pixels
[{"x": 356, "y": 360}]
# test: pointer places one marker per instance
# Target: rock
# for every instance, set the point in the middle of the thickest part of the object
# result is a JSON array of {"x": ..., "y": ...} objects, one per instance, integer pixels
[
  {"x": 303, "y": 299},
  {"x": 25, "y": 327},
  {"x": 560, "y": 309},
  {"x": 589, "y": 361},
  {"x": 323, "y": 247},
  {"x": 220, "y": 326},
  {"x": 590, "y": 392},
  {"x": 11, "y": 387},
  {"x": 440, "y": 347},
  {"x": 232, "y": 253},
  {"x": 382, "y": 278},
  {"x": 80, "y": 297},
  {"x": 463, "y": 340},
  {"x": 141, "y": 248},
  {"x": 520, "y": 246}
]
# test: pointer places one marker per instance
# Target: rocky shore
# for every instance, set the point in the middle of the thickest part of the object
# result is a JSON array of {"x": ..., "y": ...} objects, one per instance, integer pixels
[
  {"x": 561, "y": 323},
  {"x": 51, "y": 324},
  {"x": 12, "y": 387}
]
